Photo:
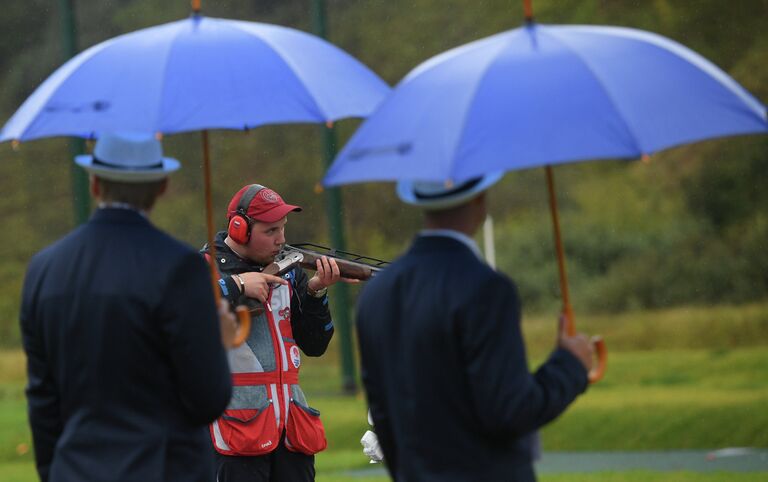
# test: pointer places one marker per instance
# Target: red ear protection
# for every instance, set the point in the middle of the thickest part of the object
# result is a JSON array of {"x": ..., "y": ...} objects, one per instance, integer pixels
[{"x": 239, "y": 229}]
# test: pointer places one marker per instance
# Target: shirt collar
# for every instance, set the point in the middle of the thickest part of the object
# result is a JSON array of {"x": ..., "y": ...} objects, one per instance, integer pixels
[
  {"x": 119, "y": 205},
  {"x": 458, "y": 236}
]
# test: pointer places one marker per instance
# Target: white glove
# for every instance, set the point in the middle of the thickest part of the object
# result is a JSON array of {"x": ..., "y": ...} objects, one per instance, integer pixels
[{"x": 371, "y": 447}]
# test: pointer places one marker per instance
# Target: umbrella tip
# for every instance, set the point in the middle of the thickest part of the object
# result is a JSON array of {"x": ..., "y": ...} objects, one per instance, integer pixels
[
  {"x": 15, "y": 144},
  {"x": 318, "y": 188},
  {"x": 646, "y": 158},
  {"x": 329, "y": 124},
  {"x": 528, "y": 10},
  {"x": 159, "y": 136}
]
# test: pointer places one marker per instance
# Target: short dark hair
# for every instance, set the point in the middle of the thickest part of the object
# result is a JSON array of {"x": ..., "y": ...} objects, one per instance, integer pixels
[{"x": 141, "y": 195}]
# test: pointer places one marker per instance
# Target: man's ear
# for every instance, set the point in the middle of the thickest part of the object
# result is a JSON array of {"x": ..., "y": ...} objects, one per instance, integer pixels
[
  {"x": 94, "y": 186},
  {"x": 479, "y": 199},
  {"x": 163, "y": 187},
  {"x": 480, "y": 207}
]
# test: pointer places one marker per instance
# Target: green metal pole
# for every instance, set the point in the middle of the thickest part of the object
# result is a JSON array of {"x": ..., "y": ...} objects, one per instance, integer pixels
[
  {"x": 334, "y": 207},
  {"x": 81, "y": 205}
]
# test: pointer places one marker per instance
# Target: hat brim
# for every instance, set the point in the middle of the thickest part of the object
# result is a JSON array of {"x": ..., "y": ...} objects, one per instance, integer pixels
[
  {"x": 128, "y": 175},
  {"x": 406, "y": 192},
  {"x": 276, "y": 214}
]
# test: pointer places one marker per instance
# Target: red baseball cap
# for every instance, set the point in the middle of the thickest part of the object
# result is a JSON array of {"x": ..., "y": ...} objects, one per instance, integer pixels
[{"x": 266, "y": 206}]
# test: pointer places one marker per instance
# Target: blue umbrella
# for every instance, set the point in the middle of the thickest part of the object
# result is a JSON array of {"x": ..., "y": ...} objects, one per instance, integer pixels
[
  {"x": 542, "y": 95},
  {"x": 194, "y": 74},
  {"x": 545, "y": 95}
]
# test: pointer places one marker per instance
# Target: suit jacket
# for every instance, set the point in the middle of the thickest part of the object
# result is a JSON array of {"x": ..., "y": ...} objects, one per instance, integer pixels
[
  {"x": 125, "y": 362},
  {"x": 445, "y": 371}
]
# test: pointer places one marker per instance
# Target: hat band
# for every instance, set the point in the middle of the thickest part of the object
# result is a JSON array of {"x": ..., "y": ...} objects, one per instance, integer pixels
[
  {"x": 457, "y": 190},
  {"x": 99, "y": 162}
]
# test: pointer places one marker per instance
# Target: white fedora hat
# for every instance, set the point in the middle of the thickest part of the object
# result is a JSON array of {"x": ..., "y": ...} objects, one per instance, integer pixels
[
  {"x": 442, "y": 195},
  {"x": 128, "y": 157}
]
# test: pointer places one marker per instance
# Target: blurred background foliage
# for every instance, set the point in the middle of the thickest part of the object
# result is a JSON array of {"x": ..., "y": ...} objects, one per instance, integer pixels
[{"x": 688, "y": 227}]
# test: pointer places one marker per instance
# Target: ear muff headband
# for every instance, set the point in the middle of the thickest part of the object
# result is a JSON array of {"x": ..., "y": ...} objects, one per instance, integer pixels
[{"x": 239, "y": 228}]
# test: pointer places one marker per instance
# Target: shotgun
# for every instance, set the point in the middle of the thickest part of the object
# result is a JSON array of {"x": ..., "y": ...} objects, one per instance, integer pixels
[{"x": 351, "y": 265}]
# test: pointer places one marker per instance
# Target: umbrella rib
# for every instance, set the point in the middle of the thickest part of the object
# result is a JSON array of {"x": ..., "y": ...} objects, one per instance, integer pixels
[
  {"x": 164, "y": 80},
  {"x": 286, "y": 60},
  {"x": 602, "y": 86},
  {"x": 697, "y": 60},
  {"x": 475, "y": 90}
]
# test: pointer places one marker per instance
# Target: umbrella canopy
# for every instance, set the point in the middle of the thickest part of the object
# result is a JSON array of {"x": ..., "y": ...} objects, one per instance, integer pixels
[
  {"x": 545, "y": 95},
  {"x": 198, "y": 73}
]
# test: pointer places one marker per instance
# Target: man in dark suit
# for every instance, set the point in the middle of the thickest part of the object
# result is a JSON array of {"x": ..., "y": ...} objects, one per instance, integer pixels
[
  {"x": 443, "y": 360},
  {"x": 124, "y": 346}
]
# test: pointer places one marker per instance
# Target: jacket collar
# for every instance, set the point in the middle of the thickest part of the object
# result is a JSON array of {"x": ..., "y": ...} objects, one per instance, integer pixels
[
  {"x": 228, "y": 259},
  {"x": 118, "y": 215},
  {"x": 458, "y": 236},
  {"x": 429, "y": 244}
]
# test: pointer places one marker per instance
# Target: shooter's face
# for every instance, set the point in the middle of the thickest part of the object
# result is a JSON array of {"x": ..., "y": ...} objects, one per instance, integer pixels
[{"x": 267, "y": 239}]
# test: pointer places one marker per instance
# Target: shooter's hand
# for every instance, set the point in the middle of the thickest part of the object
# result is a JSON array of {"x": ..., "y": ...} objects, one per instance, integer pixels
[{"x": 256, "y": 285}]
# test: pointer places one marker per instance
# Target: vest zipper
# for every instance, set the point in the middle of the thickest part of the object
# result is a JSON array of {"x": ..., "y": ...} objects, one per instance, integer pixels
[{"x": 277, "y": 342}]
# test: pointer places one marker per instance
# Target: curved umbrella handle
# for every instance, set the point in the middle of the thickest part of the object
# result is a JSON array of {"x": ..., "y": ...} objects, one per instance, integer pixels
[
  {"x": 244, "y": 325},
  {"x": 601, "y": 352},
  {"x": 598, "y": 344}
]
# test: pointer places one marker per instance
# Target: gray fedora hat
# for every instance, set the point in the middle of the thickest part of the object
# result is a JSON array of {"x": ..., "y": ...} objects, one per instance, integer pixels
[
  {"x": 442, "y": 195},
  {"x": 128, "y": 157}
]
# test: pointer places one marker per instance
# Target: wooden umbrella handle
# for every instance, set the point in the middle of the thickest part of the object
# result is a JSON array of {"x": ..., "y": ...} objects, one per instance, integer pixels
[
  {"x": 244, "y": 325},
  {"x": 598, "y": 344},
  {"x": 601, "y": 352}
]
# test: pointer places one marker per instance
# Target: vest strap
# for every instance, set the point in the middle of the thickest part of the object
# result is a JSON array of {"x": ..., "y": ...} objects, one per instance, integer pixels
[{"x": 265, "y": 378}]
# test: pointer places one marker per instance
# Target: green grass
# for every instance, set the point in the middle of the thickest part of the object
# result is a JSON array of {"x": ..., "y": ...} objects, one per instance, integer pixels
[
  {"x": 702, "y": 328},
  {"x": 689, "y": 394},
  {"x": 17, "y": 472}
]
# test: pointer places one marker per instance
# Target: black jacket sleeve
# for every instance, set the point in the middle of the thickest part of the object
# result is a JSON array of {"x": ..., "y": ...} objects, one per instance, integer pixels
[
  {"x": 310, "y": 317},
  {"x": 190, "y": 321},
  {"x": 508, "y": 398},
  {"x": 42, "y": 395},
  {"x": 230, "y": 289}
]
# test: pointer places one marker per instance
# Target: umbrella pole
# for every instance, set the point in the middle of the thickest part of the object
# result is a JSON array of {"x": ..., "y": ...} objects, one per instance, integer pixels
[
  {"x": 597, "y": 371},
  {"x": 209, "y": 215},
  {"x": 243, "y": 315},
  {"x": 567, "y": 309}
]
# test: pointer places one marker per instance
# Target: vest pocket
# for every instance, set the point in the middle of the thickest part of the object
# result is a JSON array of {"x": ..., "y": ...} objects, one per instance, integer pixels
[
  {"x": 249, "y": 431},
  {"x": 304, "y": 431}
]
